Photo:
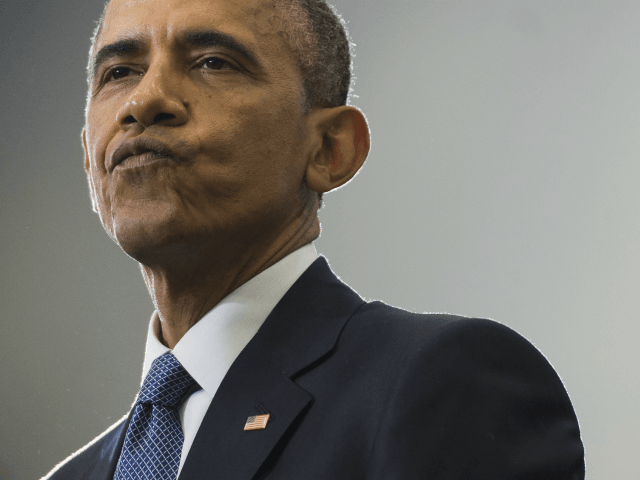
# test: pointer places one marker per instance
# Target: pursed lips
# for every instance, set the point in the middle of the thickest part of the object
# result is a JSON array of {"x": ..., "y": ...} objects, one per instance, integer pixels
[
  {"x": 142, "y": 159},
  {"x": 141, "y": 151}
]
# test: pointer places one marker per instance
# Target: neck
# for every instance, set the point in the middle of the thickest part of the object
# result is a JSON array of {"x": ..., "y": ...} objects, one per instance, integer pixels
[{"x": 184, "y": 291}]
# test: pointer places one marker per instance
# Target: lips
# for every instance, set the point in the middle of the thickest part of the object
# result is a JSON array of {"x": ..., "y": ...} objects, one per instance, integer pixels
[
  {"x": 144, "y": 150},
  {"x": 147, "y": 158}
]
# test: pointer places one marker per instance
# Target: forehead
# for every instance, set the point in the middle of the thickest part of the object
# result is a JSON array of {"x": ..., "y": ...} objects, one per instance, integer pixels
[{"x": 250, "y": 21}]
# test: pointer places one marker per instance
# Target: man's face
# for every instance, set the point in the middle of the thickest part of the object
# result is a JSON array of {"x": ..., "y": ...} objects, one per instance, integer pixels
[{"x": 232, "y": 128}]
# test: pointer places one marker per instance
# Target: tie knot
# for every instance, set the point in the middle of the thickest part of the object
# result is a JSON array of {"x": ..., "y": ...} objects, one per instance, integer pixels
[{"x": 166, "y": 383}]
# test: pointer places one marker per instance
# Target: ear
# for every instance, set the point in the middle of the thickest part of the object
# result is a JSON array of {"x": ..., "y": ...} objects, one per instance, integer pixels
[
  {"x": 341, "y": 142},
  {"x": 87, "y": 167}
]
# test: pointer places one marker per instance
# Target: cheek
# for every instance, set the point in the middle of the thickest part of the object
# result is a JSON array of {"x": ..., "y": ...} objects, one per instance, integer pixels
[
  {"x": 249, "y": 164},
  {"x": 98, "y": 174},
  {"x": 256, "y": 136}
]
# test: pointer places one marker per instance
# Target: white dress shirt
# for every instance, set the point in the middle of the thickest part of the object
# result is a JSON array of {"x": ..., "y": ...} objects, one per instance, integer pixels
[{"x": 209, "y": 348}]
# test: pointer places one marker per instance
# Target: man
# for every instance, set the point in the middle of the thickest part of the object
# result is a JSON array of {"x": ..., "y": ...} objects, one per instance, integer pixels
[{"x": 213, "y": 127}]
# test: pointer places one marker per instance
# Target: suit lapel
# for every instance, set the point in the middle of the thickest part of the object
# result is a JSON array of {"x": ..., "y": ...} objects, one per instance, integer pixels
[{"x": 301, "y": 330}]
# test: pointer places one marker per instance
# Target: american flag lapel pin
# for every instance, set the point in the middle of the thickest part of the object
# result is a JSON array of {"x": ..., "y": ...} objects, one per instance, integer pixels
[{"x": 257, "y": 422}]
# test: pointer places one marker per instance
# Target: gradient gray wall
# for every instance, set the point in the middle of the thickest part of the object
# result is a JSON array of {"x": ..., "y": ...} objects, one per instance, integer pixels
[{"x": 502, "y": 182}]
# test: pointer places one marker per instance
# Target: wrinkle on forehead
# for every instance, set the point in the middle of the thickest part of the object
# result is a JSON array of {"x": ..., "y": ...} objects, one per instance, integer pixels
[
  {"x": 257, "y": 15},
  {"x": 249, "y": 8}
]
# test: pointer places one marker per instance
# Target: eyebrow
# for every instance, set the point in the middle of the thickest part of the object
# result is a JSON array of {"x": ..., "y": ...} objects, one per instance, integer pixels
[
  {"x": 120, "y": 48},
  {"x": 193, "y": 38}
]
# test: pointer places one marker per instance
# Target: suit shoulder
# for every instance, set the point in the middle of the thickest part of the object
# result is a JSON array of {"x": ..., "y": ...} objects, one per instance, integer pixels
[
  {"x": 451, "y": 341},
  {"x": 92, "y": 459},
  {"x": 435, "y": 327},
  {"x": 462, "y": 388}
]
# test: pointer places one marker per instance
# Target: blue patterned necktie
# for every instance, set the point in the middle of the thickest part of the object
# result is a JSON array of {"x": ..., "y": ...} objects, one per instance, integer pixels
[{"x": 153, "y": 443}]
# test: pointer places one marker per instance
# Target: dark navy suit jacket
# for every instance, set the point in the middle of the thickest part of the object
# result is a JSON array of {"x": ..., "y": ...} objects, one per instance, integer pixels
[{"x": 360, "y": 390}]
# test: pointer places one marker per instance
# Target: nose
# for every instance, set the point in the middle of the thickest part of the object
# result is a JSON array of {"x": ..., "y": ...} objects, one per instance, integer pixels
[{"x": 154, "y": 101}]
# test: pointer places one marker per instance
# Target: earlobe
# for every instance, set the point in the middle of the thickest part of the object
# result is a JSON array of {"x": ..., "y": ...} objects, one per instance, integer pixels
[
  {"x": 343, "y": 143},
  {"x": 87, "y": 168}
]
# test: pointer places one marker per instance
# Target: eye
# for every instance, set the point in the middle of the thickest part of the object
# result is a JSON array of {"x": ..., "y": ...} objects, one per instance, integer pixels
[
  {"x": 215, "y": 63},
  {"x": 117, "y": 73}
]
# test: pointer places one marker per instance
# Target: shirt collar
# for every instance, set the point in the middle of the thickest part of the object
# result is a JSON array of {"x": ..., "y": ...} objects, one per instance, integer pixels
[{"x": 209, "y": 348}]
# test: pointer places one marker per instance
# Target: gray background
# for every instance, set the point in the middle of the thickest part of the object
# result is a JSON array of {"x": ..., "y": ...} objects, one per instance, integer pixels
[{"x": 502, "y": 182}]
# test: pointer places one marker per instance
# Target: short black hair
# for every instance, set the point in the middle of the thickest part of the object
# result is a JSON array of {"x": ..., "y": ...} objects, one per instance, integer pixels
[
  {"x": 318, "y": 36},
  {"x": 319, "y": 39}
]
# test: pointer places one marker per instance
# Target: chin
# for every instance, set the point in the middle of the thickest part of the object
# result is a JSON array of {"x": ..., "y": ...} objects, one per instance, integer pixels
[
  {"x": 164, "y": 252},
  {"x": 155, "y": 238}
]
